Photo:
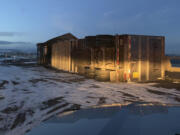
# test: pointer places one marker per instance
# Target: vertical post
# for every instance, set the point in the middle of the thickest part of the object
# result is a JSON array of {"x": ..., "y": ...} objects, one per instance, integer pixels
[
  {"x": 92, "y": 58},
  {"x": 52, "y": 55},
  {"x": 147, "y": 70},
  {"x": 129, "y": 60},
  {"x": 70, "y": 56},
  {"x": 117, "y": 58},
  {"x": 162, "y": 57},
  {"x": 72, "y": 60},
  {"x": 139, "y": 58},
  {"x": 104, "y": 60}
]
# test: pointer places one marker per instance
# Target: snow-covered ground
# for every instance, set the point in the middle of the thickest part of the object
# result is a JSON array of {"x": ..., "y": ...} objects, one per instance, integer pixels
[{"x": 29, "y": 95}]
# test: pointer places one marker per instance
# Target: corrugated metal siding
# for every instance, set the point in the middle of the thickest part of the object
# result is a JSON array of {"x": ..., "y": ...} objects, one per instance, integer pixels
[
  {"x": 146, "y": 57},
  {"x": 155, "y": 58},
  {"x": 61, "y": 55},
  {"x": 121, "y": 57},
  {"x": 81, "y": 56}
]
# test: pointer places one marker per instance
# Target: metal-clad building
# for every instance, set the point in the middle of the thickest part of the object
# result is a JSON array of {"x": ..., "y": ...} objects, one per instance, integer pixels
[
  {"x": 56, "y": 52},
  {"x": 107, "y": 57}
]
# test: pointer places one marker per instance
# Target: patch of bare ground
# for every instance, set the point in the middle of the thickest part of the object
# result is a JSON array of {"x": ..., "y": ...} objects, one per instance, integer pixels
[
  {"x": 3, "y": 83},
  {"x": 1, "y": 118},
  {"x": 164, "y": 94},
  {"x": 74, "y": 107},
  {"x": 127, "y": 94},
  {"x": 11, "y": 109},
  {"x": 167, "y": 84},
  {"x": 129, "y": 97},
  {"x": 34, "y": 81},
  {"x": 1, "y": 97},
  {"x": 91, "y": 97},
  {"x": 158, "y": 92},
  {"x": 20, "y": 118},
  {"x": 102, "y": 100},
  {"x": 60, "y": 80},
  {"x": 128, "y": 100},
  {"x": 15, "y": 83},
  {"x": 77, "y": 80},
  {"x": 94, "y": 86},
  {"x": 66, "y": 80},
  {"x": 26, "y": 91},
  {"x": 51, "y": 102},
  {"x": 177, "y": 99},
  {"x": 58, "y": 107}
]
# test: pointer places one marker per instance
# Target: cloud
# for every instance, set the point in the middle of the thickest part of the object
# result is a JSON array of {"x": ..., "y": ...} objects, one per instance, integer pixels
[{"x": 10, "y": 34}]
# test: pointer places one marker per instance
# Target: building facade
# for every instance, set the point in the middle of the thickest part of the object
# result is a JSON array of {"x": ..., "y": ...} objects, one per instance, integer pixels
[{"x": 107, "y": 57}]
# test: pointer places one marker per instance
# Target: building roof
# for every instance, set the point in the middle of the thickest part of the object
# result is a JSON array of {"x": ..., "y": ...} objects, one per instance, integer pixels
[
  {"x": 140, "y": 35},
  {"x": 98, "y": 40},
  {"x": 67, "y": 36}
]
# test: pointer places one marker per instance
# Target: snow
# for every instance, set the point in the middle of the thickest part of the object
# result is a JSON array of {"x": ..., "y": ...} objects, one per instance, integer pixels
[{"x": 25, "y": 90}]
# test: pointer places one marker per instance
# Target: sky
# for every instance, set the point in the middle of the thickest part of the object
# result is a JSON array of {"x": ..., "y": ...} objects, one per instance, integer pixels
[{"x": 36, "y": 21}]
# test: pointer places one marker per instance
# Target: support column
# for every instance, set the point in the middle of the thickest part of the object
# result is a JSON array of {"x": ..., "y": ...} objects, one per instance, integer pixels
[
  {"x": 139, "y": 59},
  {"x": 104, "y": 58},
  {"x": 147, "y": 70},
  {"x": 92, "y": 57},
  {"x": 162, "y": 58},
  {"x": 129, "y": 60},
  {"x": 117, "y": 59},
  {"x": 70, "y": 47}
]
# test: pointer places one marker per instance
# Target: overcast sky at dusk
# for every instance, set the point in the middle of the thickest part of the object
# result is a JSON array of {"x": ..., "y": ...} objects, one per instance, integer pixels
[{"x": 39, "y": 20}]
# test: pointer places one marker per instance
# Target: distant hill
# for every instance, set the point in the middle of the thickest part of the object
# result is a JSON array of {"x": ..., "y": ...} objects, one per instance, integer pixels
[{"x": 25, "y": 47}]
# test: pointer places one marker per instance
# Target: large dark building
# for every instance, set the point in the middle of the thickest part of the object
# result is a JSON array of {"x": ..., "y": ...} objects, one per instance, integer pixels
[{"x": 106, "y": 57}]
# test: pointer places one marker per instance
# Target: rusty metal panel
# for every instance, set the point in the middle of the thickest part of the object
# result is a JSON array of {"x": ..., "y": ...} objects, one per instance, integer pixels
[
  {"x": 90, "y": 41},
  {"x": 100, "y": 41},
  {"x": 155, "y": 58},
  {"x": 135, "y": 51},
  {"x": 134, "y": 48},
  {"x": 144, "y": 46},
  {"x": 61, "y": 55},
  {"x": 121, "y": 49},
  {"x": 105, "y": 41},
  {"x": 98, "y": 57},
  {"x": 144, "y": 58},
  {"x": 81, "y": 54},
  {"x": 109, "y": 57}
]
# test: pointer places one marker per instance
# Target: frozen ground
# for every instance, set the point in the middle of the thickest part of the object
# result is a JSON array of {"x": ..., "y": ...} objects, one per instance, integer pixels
[{"x": 31, "y": 94}]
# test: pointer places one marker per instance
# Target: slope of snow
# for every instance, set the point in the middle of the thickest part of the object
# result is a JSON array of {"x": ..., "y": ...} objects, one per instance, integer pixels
[{"x": 27, "y": 93}]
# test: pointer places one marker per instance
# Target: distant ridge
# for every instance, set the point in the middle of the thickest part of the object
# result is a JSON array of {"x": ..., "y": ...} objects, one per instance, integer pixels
[
  {"x": 26, "y": 47},
  {"x": 8, "y": 42}
]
